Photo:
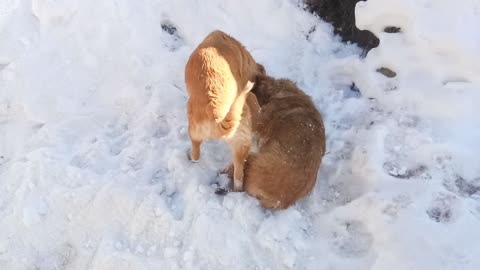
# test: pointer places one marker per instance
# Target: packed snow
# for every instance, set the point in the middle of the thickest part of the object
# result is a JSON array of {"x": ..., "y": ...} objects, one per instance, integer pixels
[{"x": 93, "y": 170}]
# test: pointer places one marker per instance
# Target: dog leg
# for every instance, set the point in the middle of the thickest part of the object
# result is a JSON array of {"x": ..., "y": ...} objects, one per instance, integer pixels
[
  {"x": 194, "y": 154},
  {"x": 239, "y": 158}
]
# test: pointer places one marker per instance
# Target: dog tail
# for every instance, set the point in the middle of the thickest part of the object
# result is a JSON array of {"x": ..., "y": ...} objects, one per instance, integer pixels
[{"x": 234, "y": 115}]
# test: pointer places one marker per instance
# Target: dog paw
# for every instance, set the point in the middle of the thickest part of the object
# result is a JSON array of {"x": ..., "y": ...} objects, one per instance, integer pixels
[
  {"x": 237, "y": 185},
  {"x": 189, "y": 157}
]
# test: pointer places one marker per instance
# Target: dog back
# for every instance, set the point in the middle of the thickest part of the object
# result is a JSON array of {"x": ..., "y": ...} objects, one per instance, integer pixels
[
  {"x": 291, "y": 143},
  {"x": 216, "y": 74}
]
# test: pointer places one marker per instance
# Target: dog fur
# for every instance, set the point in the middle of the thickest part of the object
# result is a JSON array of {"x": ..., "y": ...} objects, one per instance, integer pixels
[
  {"x": 219, "y": 76},
  {"x": 291, "y": 144}
]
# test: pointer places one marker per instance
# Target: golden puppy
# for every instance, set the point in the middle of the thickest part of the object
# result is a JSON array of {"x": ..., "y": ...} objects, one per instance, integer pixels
[
  {"x": 290, "y": 138},
  {"x": 219, "y": 75}
]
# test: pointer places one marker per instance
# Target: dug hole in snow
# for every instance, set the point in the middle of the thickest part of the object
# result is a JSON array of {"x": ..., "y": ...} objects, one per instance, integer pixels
[{"x": 93, "y": 134}]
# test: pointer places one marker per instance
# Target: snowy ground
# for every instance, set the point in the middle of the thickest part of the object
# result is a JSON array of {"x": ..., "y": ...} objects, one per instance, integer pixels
[{"x": 93, "y": 173}]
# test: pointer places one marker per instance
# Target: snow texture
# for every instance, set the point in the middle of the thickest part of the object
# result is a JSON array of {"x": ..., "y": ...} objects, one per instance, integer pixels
[{"x": 93, "y": 171}]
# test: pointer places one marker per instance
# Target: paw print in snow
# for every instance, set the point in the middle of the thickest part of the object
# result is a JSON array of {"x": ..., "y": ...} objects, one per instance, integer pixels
[
  {"x": 352, "y": 239},
  {"x": 403, "y": 172},
  {"x": 398, "y": 203},
  {"x": 162, "y": 129},
  {"x": 467, "y": 188},
  {"x": 175, "y": 40},
  {"x": 3, "y": 160},
  {"x": 443, "y": 209}
]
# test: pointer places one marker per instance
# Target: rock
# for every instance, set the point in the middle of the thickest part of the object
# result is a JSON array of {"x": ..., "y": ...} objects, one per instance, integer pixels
[
  {"x": 341, "y": 14},
  {"x": 354, "y": 88},
  {"x": 387, "y": 72},
  {"x": 392, "y": 29}
]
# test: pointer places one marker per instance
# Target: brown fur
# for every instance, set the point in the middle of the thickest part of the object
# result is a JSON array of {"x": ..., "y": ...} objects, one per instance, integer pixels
[
  {"x": 219, "y": 76},
  {"x": 291, "y": 144}
]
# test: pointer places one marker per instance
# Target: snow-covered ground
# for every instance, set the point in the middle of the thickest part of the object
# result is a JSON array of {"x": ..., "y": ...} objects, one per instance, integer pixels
[{"x": 93, "y": 172}]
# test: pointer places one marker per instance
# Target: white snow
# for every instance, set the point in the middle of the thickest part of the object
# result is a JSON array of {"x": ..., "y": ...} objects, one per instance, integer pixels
[{"x": 93, "y": 170}]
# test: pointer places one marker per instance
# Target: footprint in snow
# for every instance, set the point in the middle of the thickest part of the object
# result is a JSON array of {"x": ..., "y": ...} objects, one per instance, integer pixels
[
  {"x": 402, "y": 172},
  {"x": 115, "y": 130},
  {"x": 173, "y": 200},
  {"x": 159, "y": 176},
  {"x": 60, "y": 258},
  {"x": 352, "y": 239},
  {"x": 396, "y": 205},
  {"x": 175, "y": 40},
  {"x": 3, "y": 160},
  {"x": 342, "y": 150},
  {"x": 464, "y": 187},
  {"x": 409, "y": 121},
  {"x": 443, "y": 208},
  {"x": 117, "y": 137},
  {"x": 162, "y": 129}
]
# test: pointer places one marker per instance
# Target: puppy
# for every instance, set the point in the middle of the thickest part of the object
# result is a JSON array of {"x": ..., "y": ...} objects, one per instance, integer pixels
[
  {"x": 290, "y": 138},
  {"x": 219, "y": 75}
]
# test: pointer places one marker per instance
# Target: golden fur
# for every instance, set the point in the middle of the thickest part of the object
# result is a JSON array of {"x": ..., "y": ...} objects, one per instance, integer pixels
[
  {"x": 291, "y": 143},
  {"x": 219, "y": 76}
]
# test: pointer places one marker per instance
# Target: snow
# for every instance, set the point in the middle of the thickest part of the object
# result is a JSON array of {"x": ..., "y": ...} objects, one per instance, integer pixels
[{"x": 93, "y": 171}]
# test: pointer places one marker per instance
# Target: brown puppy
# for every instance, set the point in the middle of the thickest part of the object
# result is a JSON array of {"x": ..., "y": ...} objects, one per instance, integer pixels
[
  {"x": 291, "y": 143},
  {"x": 219, "y": 75}
]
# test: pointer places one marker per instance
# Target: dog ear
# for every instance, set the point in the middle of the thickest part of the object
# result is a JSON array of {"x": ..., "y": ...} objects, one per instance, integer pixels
[
  {"x": 261, "y": 89},
  {"x": 261, "y": 70}
]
